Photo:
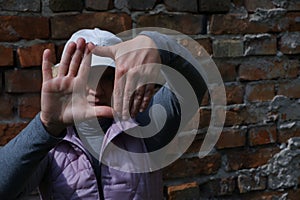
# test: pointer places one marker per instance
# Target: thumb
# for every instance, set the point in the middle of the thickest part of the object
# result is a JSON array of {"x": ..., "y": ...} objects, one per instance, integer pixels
[{"x": 104, "y": 51}]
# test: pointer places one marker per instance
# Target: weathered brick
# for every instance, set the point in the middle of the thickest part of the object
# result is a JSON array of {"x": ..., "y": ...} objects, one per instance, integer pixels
[
  {"x": 256, "y": 113},
  {"x": 283, "y": 108},
  {"x": 290, "y": 89},
  {"x": 289, "y": 43},
  {"x": 262, "y": 135},
  {"x": 293, "y": 68},
  {"x": 234, "y": 94},
  {"x": 205, "y": 115},
  {"x": 189, "y": 167},
  {"x": 293, "y": 21},
  {"x": 230, "y": 138},
  {"x": 197, "y": 47},
  {"x": 134, "y": 4},
  {"x": 293, "y": 5},
  {"x": 252, "y": 5},
  {"x": 29, "y": 106},
  {"x": 1, "y": 80},
  {"x": 218, "y": 187},
  {"x": 21, "y": 81},
  {"x": 287, "y": 131},
  {"x": 214, "y": 6},
  {"x": 185, "y": 23},
  {"x": 182, "y": 5},
  {"x": 262, "y": 21},
  {"x": 66, "y": 5},
  {"x": 263, "y": 44},
  {"x": 22, "y": 5},
  {"x": 251, "y": 182},
  {"x": 227, "y": 69},
  {"x": 258, "y": 92},
  {"x": 261, "y": 69},
  {"x": 99, "y": 5},
  {"x": 228, "y": 48},
  {"x": 183, "y": 191},
  {"x": 32, "y": 55},
  {"x": 249, "y": 158},
  {"x": 13, "y": 28},
  {"x": 64, "y": 26},
  {"x": 6, "y": 56},
  {"x": 6, "y": 107},
  {"x": 9, "y": 131}
]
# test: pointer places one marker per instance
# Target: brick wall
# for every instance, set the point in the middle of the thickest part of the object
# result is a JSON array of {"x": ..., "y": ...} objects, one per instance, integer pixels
[{"x": 255, "y": 44}]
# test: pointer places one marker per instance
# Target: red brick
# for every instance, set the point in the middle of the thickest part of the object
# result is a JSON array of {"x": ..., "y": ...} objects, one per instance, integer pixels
[
  {"x": 32, "y": 55},
  {"x": 181, "y": 5},
  {"x": 249, "y": 158},
  {"x": 189, "y": 167},
  {"x": 205, "y": 115},
  {"x": 263, "y": 195},
  {"x": 13, "y": 28},
  {"x": 234, "y": 94},
  {"x": 29, "y": 106},
  {"x": 289, "y": 43},
  {"x": 227, "y": 69},
  {"x": 263, "y": 44},
  {"x": 236, "y": 116},
  {"x": 22, "y": 81},
  {"x": 6, "y": 107},
  {"x": 6, "y": 56},
  {"x": 293, "y": 21},
  {"x": 218, "y": 187},
  {"x": 230, "y": 138},
  {"x": 292, "y": 129},
  {"x": 198, "y": 47},
  {"x": 259, "y": 92},
  {"x": 251, "y": 182},
  {"x": 261, "y": 69},
  {"x": 63, "y": 26},
  {"x": 252, "y": 5},
  {"x": 9, "y": 131},
  {"x": 185, "y": 23},
  {"x": 290, "y": 89},
  {"x": 293, "y": 68},
  {"x": 262, "y": 135},
  {"x": 183, "y": 191},
  {"x": 230, "y": 24}
]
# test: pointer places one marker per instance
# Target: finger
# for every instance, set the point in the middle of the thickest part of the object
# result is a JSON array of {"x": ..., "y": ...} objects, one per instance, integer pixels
[
  {"x": 99, "y": 111},
  {"x": 66, "y": 59},
  {"x": 47, "y": 65},
  {"x": 130, "y": 87},
  {"x": 137, "y": 101},
  {"x": 119, "y": 87},
  {"x": 77, "y": 57},
  {"x": 85, "y": 65},
  {"x": 104, "y": 51},
  {"x": 149, "y": 92}
]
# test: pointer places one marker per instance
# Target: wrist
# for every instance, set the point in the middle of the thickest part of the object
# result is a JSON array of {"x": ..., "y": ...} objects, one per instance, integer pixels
[{"x": 52, "y": 128}]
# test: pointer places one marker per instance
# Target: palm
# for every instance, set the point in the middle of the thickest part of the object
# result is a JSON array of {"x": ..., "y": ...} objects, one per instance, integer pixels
[{"x": 63, "y": 99}]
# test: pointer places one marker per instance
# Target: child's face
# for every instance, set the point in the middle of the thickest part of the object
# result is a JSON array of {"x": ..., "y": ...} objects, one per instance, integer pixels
[{"x": 103, "y": 93}]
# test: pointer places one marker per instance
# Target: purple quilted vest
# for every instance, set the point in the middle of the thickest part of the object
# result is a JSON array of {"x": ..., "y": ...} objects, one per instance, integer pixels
[{"x": 70, "y": 174}]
